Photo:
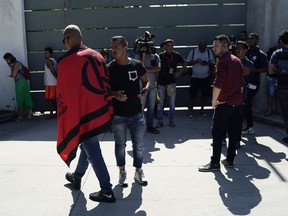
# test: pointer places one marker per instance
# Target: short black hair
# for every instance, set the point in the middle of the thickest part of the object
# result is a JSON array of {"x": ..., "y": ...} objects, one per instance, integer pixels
[
  {"x": 10, "y": 57},
  {"x": 243, "y": 44},
  {"x": 49, "y": 49},
  {"x": 283, "y": 36},
  {"x": 123, "y": 41}
]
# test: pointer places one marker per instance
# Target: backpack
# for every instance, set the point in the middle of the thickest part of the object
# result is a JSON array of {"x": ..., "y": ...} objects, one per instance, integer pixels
[
  {"x": 282, "y": 69},
  {"x": 26, "y": 73}
]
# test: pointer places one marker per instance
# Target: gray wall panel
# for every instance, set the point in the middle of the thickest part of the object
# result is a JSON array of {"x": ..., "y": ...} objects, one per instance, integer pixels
[
  {"x": 38, "y": 81},
  {"x": 122, "y": 17},
  {"x": 98, "y": 39},
  {"x": 102, "y": 19},
  {"x": 52, "y": 4},
  {"x": 45, "y": 20}
]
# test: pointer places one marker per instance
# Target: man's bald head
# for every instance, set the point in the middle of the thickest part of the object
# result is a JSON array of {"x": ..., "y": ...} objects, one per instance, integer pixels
[{"x": 72, "y": 36}]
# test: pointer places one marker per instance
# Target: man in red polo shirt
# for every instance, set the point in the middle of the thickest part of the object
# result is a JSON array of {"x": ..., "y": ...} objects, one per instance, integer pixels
[{"x": 226, "y": 101}]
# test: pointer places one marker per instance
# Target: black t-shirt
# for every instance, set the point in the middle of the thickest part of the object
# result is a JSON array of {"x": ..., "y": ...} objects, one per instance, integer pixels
[
  {"x": 259, "y": 59},
  {"x": 126, "y": 78},
  {"x": 168, "y": 64}
]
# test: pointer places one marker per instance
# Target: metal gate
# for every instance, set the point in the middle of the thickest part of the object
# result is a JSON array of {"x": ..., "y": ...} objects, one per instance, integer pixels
[{"x": 185, "y": 21}]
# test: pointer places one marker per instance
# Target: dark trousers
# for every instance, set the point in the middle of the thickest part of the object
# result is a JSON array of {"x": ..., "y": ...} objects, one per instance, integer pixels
[
  {"x": 248, "y": 113},
  {"x": 283, "y": 100},
  {"x": 225, "y": 118}
]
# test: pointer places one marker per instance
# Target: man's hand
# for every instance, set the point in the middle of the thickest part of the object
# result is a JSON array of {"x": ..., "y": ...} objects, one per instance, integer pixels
[
  {"x": 119, "y": 95},
  {"x": 142, "y": 93}
]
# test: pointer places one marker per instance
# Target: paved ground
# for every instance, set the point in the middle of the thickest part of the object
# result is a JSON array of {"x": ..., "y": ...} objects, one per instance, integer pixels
[{"x": 32, "y": 179}]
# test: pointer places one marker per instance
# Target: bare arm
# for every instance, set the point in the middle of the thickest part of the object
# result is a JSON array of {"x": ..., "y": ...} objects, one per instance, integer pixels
[
  {"x": 178, "y": 73},
  {"x": 216, "y": 93},
  {"x": 271, "y": 69},
  {"x": 50, "y": 65},
  {"x": 15, "y": 69},
  {"x": 145, "y": 86}
]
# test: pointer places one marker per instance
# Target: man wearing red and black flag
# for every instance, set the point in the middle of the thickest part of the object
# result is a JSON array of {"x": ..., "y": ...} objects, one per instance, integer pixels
[{"x": 84, "y": 110}]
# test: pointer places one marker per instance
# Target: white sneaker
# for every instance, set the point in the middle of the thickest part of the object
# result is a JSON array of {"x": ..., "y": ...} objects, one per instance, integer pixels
[
  {"x": 140, "y": 178},
  {"x": 248, "y": 131},
  {"x": 122, "y": 179}
]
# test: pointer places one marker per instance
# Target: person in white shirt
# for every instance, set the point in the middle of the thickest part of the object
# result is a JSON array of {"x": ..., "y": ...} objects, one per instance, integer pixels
[
  {"x": 202, "y": 60},
  {"x": 50, "y": 81}
]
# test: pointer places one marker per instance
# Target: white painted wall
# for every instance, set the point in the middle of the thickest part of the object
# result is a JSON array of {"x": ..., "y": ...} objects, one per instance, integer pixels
[{"x": 13, "y": 40}]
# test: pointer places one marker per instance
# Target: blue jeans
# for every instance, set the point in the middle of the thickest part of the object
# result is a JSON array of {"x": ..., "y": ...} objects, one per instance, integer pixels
[
  {"x": 91, "y": 152},
  {"x": 149, "y": 102},
  {"x": 137, "y": 127},
  {"x": 162, "y": 91},
  {"x": 271, "y": 86}
]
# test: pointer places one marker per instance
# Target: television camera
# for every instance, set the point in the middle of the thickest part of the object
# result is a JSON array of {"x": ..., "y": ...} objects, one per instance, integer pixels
[{"x": 145, "y": 44}]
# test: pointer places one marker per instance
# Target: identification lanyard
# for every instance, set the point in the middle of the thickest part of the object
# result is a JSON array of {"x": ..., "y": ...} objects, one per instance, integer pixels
[{"x": 170, "y": 60}]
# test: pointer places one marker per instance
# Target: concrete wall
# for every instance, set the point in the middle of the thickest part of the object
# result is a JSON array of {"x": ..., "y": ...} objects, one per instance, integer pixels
[
  {"x": 13, "y": 40},
  {"x": 267, "y": 18}
]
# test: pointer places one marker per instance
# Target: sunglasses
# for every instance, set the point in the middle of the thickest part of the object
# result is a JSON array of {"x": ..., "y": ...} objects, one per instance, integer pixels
[{"x": 63, "y": 41}]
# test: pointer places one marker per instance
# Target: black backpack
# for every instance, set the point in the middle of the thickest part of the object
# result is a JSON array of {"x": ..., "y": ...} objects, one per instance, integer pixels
[{"x": 282, "y": 69}]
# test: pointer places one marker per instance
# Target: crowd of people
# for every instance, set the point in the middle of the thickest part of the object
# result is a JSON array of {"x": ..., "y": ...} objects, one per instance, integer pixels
[{"x": 95, "y": 91}]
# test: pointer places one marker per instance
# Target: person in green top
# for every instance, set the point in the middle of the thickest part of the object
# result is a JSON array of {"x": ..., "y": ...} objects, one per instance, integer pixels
[{"x": 23, "y": 97}]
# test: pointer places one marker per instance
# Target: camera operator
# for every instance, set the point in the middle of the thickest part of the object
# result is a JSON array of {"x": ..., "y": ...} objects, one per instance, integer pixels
[{"x": 150, "y": 59}]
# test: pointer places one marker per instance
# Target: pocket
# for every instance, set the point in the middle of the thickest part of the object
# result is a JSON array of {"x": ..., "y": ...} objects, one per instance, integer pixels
[{"x": 170, "y": 89}]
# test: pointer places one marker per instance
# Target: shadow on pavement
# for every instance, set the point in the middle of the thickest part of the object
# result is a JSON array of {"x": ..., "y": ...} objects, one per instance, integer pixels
[
  {"x": 236, "y": 188},
  {"x": 120, "y": 207}
]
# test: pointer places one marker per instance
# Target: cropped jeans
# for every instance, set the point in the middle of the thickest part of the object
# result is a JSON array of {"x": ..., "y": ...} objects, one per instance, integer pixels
[
  {"x": 137, "y": 127},
  {"x": 91, "y": 152}
]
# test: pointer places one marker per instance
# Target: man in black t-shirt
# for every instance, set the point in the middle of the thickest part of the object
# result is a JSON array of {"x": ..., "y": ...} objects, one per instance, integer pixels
[
  {"x": 125, "y": 76},
  {"x": 167, "y": 80},
  {"x": 259, "y": 59}
]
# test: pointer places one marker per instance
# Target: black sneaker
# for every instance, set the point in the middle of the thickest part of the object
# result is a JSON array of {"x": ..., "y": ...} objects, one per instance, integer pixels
[
  {"x": 209, "y": 168},
  {"x": 227, "y": 163},
  {"x": 152, "y": 130},
  {"x": 285, "y": 139},
  {"x": 76, "y": 183},
  {"x": 103, "y": 197}
]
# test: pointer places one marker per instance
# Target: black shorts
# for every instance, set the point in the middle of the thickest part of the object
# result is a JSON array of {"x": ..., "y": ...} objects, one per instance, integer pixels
[{"x": 203, "y": 84}]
